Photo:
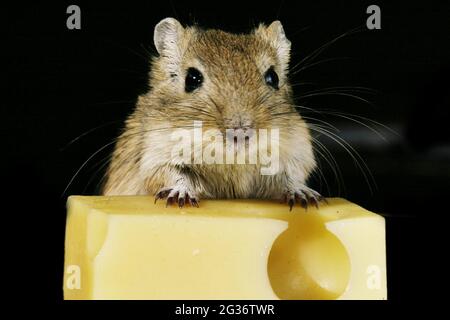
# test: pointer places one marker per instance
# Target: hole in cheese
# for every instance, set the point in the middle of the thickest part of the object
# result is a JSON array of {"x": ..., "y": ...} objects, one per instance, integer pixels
[{"x": 307, "y": 261}]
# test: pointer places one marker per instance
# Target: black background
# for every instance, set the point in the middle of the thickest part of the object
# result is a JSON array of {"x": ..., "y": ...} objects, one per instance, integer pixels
[{"x": 64, "y": 83}]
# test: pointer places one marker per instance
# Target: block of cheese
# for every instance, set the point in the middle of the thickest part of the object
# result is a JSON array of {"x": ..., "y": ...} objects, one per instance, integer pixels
[{"x": 128, "y": 247}]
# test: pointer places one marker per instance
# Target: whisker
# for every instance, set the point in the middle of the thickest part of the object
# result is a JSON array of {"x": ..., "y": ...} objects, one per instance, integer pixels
[
  {"x": 104, "y": 162},
  {"x": 365, "y": 125},
  {"x": 86, "y": 133},
  {"x": 323, "y": 122},
  {"x": 317, "y": 63},
  {"x": 296, "y": 84},
  {"x": 352, "y": 152},
  {"x": 319, "y": 50},
  {"x": 128, "y": 134},
  {"x": 348, "y": 116},
  {"x": 345, "y": 89},
  {"x": 318, "y": 172},
  {"x": 84, "y": 164},
  {"x": 339, "y": 113},
  {"x": 330, "y": 160},
  {"x": 335, "y": 93}
]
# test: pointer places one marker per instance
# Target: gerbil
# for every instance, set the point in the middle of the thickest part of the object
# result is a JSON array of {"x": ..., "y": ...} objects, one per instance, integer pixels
[{"x": 226, "y": 81}]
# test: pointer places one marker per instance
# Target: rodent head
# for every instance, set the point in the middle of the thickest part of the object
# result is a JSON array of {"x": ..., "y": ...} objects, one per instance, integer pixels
[{"x": 228, "y": 81}]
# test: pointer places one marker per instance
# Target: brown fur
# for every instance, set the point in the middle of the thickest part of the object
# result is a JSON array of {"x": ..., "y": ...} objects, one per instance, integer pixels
[{"x": 233, "y": 67}]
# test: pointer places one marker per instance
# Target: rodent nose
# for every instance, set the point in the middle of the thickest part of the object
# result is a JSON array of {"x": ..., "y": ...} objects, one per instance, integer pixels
[
  {"x": 239, "y": 122},
  {"x": 239, "y": 125}
]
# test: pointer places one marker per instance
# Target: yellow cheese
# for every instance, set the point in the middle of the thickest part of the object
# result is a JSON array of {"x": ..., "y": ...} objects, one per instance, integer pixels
[{"x": 130, "y": 248}]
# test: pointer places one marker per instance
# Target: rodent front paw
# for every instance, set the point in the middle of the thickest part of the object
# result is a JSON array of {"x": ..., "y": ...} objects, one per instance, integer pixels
[
  {"x": 303, "y": 195},
  {"x": 178, "y": 194}
]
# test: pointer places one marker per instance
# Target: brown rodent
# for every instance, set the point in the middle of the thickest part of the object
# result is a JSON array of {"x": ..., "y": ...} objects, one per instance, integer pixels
[{"x": 226, "y": 81}]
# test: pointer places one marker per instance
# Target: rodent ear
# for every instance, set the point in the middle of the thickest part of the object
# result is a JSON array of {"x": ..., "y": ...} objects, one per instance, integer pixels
[
  {"x": 167, "y": 35},
  {"x": 275, "y": 35}
]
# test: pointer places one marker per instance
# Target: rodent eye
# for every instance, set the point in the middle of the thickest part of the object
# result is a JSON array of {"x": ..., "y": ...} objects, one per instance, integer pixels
[
  {"x": 194, "y": 79},
  {"x": 271, "y": 78}
]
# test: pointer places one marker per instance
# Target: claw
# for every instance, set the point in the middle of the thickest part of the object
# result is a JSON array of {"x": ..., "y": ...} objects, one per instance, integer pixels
[
  {"x": 177, "y": 195},
  {"x": 303, "y": 203},
  {"x": 304, "y": 197},
  {"x": 291, "y": 204},
  {"x": 193, "y": 202},
  {"x": 169, "y": 201},
  {"x": 314, "y": 202},
  {"x": 161, "y": 194}
]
